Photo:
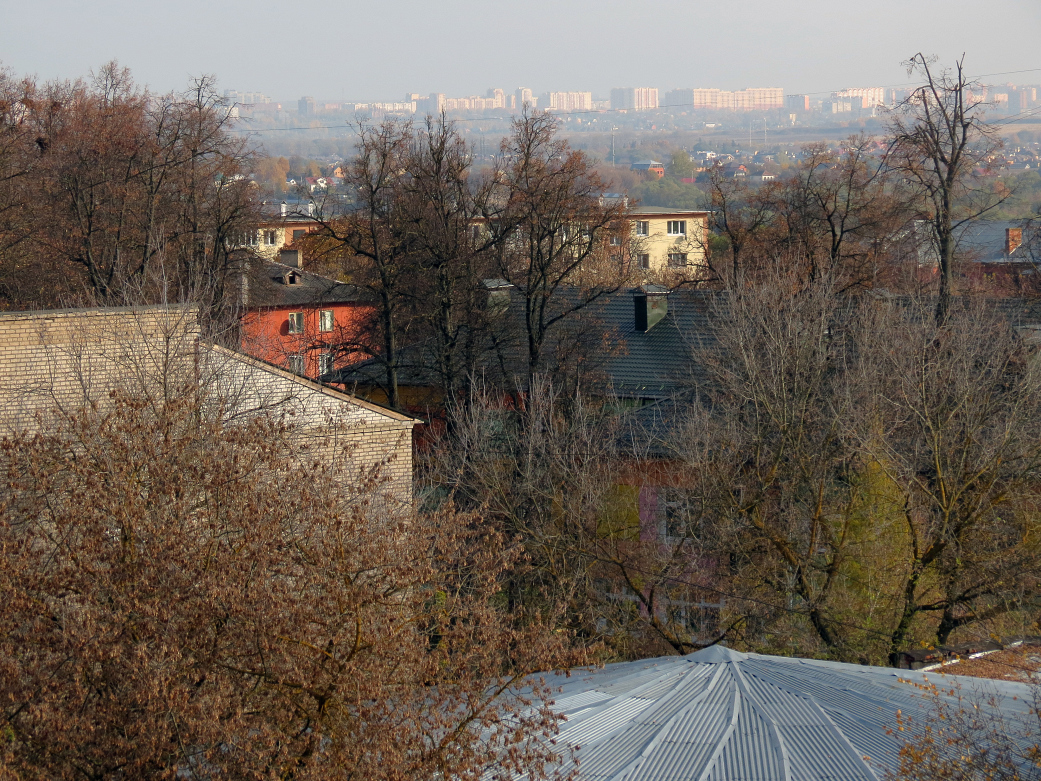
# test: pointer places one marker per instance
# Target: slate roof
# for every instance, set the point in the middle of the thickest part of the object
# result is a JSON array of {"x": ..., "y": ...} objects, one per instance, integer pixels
[
  {"x": 654, "y": 366},
  {"x": 638, "y": 211},
  {"x": 984, "y": 240},
  {"x": 650, "y": 365},
  {"x": 721, "y": 715},
  {"x": 265, "y": 286}
]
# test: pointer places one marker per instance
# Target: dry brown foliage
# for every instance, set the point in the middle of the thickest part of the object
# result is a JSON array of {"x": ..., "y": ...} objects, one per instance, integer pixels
[
  {"x": 185, "y": 598},
  {"x": 971, "y": 734}
]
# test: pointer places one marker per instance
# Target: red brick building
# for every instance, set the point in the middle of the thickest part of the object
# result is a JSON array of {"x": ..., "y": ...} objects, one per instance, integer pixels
[{"x": 305, "y": 322}]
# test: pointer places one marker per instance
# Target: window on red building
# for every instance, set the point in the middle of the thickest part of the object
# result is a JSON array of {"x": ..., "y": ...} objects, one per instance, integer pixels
[
  {"x": 296, "y": 322},
  {"x": 325, "y": 363},
  {"x": 326, "y": 322}
]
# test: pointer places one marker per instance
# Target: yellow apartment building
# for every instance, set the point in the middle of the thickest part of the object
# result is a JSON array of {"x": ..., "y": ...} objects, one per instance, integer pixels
[{"x": 669, "y": 241}]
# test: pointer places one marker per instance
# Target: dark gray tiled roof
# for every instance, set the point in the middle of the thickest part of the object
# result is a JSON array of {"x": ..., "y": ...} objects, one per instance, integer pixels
[
  {"x": 654, "y": 366},
  {"x": 265, "y": 286},
  {"x": 657, "y": 364},
  {"x": 632, "y": 364}
]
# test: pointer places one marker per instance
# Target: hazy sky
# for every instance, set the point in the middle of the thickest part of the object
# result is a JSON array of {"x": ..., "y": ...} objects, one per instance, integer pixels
[{"x": 379, "y": 50}]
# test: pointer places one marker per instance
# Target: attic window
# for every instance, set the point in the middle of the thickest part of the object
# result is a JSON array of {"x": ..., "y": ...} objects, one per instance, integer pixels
[{"x": 291, "y": 278}]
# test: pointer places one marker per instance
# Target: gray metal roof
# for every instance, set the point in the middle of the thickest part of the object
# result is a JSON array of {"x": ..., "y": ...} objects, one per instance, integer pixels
[{"x": 721, "y": 715}]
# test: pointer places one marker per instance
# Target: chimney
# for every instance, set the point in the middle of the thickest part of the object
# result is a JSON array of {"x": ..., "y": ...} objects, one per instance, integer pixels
[
  {"x": 651, "y": 303},
  {"x": 289, "y": 257},
  {"x": 245, "y": 284},
  {"x": 1013, "y": 239},
  {"x": 498, "y": 300},
  {"x": 283, "y": 209}
]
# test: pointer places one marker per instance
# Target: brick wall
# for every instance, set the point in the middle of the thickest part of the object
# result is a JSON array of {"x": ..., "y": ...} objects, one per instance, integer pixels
[{"x": 57, "y": 360}]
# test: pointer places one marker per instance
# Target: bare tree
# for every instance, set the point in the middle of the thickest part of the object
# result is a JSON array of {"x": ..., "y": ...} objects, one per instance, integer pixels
[
  {"x": 556, "y": 227},
  {"x": 972, "y": 733},
  {"x": 374, "y": 242},
  {"x": 774, "y": 448},
  {"x": 939, "y": 138},
  {"x": 125, "y": 182},
  {"x": 450, "y": 208},
  {"x": 188, "y": 596},
  {"x": 838, "y": 212},
  {"x": 949, "y": 417},
  {"x": 571, "y": 479},
  {"x": 743, "y": 217}
]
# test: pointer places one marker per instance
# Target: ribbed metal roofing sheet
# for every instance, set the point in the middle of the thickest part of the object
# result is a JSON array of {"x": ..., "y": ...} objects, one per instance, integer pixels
[{"x": 720, "y": 715}]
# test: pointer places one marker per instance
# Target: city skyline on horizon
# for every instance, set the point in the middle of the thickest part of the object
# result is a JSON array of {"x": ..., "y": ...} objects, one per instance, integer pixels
[{"x": 462, "y": 48}]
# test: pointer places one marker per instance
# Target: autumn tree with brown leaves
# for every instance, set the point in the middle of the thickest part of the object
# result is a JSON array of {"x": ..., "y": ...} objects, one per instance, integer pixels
[
  {"x": 130, "y": 191},
  {"x": 188, "y": 596}
]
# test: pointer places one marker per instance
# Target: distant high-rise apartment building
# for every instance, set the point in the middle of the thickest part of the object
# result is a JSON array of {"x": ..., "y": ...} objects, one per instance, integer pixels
[
  {"x": 498, "y": 98},
  {"x": 307, "y": 107},
  {"x": 434, "y": 105},
  {"x": 523, "y": 96},
  {"x": 1022, "y": 98},
  {"x": 246, "y": 98},
  {"x": 634, "y": 98},
  {"x": 870, "y": 96},
  {"x": 797, "y": 102},
  {"x": 752, "y": 99},
  {"x": 567, "y": 101}
]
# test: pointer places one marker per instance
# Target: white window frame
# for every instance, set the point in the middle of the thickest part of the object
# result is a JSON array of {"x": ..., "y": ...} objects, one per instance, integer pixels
[
  {"x": 678, "y": 260},
  {"x": 677, "y": 228},
  {"x": 326, "y": 321},
  {"x": 643, "y": 228},
  {"x": 270, "y": 238},
  {"x": 296, "y": 322},
  {"x": 616, "y": 241},
  {"x": 643, "y": 260},
  {"x": 298, "y": 364},
  {"x": 325, "y": 363}
]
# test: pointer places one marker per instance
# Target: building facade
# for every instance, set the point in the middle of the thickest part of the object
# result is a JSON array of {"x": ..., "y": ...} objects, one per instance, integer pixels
[
  {"x": 669, "y": 241},
  {"x": 56, "y": 362},
  {"x": 634, "y": 98},
  {"x": 306, "y": 323},
  {"x": 752, "y": 99}
]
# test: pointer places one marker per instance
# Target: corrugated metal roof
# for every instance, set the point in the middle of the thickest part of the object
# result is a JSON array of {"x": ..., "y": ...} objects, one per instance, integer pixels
[{"x": 720, "y": 715}]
